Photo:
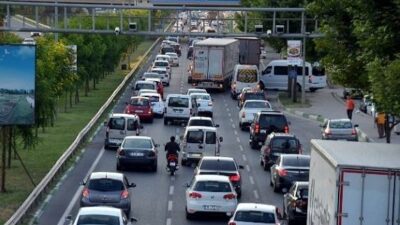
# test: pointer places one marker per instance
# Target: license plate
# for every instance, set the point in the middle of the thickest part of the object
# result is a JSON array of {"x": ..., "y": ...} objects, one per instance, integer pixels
[
  {"x": 196, "y": 155},
  {"x": 137, "y": 154},
  {"x": 178, "y": 110},
  {"x": 172, "y": 164},
  {"x": 210, "y": 207},
  {"x": 263, "y": 131},
  {"x": 139, "y": 111}
]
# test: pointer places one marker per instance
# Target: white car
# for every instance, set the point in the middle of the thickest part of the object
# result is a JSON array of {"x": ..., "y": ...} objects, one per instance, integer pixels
[
  {"x": 255, "y": 213},
  {"x": 204, "y": 103},
  {"x": 101, "y": 214},
  {"x": 210, "y": 194},
  {"x": 195, "y": 90},
  {"x": 145, "y": 91},
  {"x": 163, "y": 57},
  {"x": 251, "y": 107},
  {"x": 151, "y": 75},
  {"x": 157, "y": 104},
  {"x": 29, "y": 41},
  {"x": 174, "y": 57},
  {"x": 142, "y": 84},
  {"x": 162, "y": 64},
  {"x": 165, "y": 75},
  {"x": 201, "y": 121}
]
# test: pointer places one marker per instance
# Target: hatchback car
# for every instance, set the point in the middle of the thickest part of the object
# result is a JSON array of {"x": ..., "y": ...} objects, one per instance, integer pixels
[
  {"x": 277, "y": 144},
  {"x": 107, "y": 189},
  {"x": 251, "y": 107},
  {"x": 140, "y": 106},
  {"x": 102, "y": 215},
  {"x": 156, "y": 102},
  {"x": 295, "y": 203},
  {"x": 210, "y": 194},
  {"x": 150, "y": 75},
  {"x": 288, "y": 169},
  {"x": 174, "y": 58},
  {"x": 255, "y": 213},
  {"x": 29, "y": 41},
  {"x": 225, "y": 166},
  {"x": 203, "y": 102},
  {"x": 160, "y": 86},
  {"x": 137, "y": 151},
  {"x": 339, "y": 129},
  {"x": 201, "y": 121}
]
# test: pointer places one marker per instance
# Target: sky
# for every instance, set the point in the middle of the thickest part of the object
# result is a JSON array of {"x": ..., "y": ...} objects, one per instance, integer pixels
[{"x": 17, "y": 67}]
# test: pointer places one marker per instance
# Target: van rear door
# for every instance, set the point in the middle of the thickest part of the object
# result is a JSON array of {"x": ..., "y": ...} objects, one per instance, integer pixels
[
  {"x": 116, "y": 129},
  {"x": 211, "y": 143},
  {"x": 195, "y": 142}
]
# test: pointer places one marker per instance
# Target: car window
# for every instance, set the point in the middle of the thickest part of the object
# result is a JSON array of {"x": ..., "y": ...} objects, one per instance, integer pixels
[
  {"x": 196, "y": 136},
  {"x": 116, "y": 123},
  {"x": 211, "y": 138},
  {"x": 318, "y": 71},
  {"x": 255, "y": 217},
  {"x": 137, "y": 143},
  {"x": 105, "y": 185},
  {"x": 151, "y": 75},
  {"x": 303, "y": 193},
  {"x": 268, "y": 70},
  {"x": 284, "y": 145},
  {"x": 153, "y": 98},
  {"x": 254, "y": 96},
  {"x": 227, "y": 165},
  {"x": 201, "y": 97},
  {"x": 257, "y": 105},
  {"x": 178, "y": 102},
  {"x": 281, "y": 70},
  {"x": 140, "y": 102},
  {"x": 195, "y": 122},
  {"x": 161, "y": 64},
  {"x": 132, "y": 124},
  {"x": 98, "y": 220},
  {"x": 340, "y": 125},
  {"x": 212, "y": 186},
  {"x": 296, "y": 161},
  {"x": 247, "y": 75},
  {"x": 140, "y": 86},
  {"x": 272, "y": 121}
]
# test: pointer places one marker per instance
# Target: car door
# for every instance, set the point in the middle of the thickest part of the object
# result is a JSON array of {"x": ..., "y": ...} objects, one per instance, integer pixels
[
  {"x": 288, "y": 198},
  {"x": 211, "y": 143},
  {"x": 195, "y": 141},
  {"x": 132, "y": 127},
  {"x": 274, "y": 167},
  {"x": 267, "y": 78},
  {"x": 280, "y": 77}
]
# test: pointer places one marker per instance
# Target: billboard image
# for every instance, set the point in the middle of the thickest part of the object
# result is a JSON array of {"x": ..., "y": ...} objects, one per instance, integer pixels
[
  {"x": 17, "y": 84},
  {"x": 197, "y": 2}
]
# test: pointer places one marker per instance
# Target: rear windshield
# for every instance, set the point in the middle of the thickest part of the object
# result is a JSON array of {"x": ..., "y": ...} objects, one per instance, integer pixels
[
  {"x": 206, "y": 123},
  {"x": 218, "y": 165},
  {"x": 283, "y": 70},
  {"x": 153, "y": 98},
  {"x": 195, "y": 136},
  {"x": 98, "y": 219},
  {"x": 161, "y": 64},
  {"x": 201, "y": 97},
  {"x": 272, "y": 121},
  {"x": 254, "y": 96},
  {"x": 247, "y": 75},
  {"x": 178, "y": 102},
  {"x": 151, "y": 75},
  {"x": 340, "y": 124},
  {"x": 169, "y": 49},
  {"x": 137, "y": 143},
  {"x": 318, "y": 71},
  {"x": 255, "y": 217},
  {"x": 257, "y": 105},
  {"x": 211, "y": 137},
  {"x": 160, "y": 71},
  {"x": 105, "y": 185},
  {"x": 284, "y": 145},
  {"x": 212, "y": 186},
  {"x": 140, "y": 102},
  {"x": 296, "y": 161},
  {"x": 173, "y": 39},
  {"x": 116, "y": 123},
  {"x": 140, "y": 86}
]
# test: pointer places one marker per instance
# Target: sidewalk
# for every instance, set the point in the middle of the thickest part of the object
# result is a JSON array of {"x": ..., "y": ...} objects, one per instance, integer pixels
[{"x": 328, "y": 103}]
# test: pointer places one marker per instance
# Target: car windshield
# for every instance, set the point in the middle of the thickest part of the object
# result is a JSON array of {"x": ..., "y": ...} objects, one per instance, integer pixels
[
  {"x": 247, "y": 75},
  {"x": 254, "y": 96},
  {"x": 195, "y": 136},
  {"x": 284, "y": 145},
  {"x": 151, "y": 75},
  {"x": 199, "y": 122},
  {"x": 98, "y": 220},
  {"x": 272, "y": 121},
  {"x": 161, "y": 64},
  {"x": 255, "y": 217},
  {"x": 105, "y": 185},
  {"x": 226, "y": 165},
  {"x": 340, "y": 125},
  {"x": 296, "y": 161},
  {"x": 212, "y": 186},
  {"x": 160, "y": 71},
  {"x": 178, "y": 102},
  {"x": 257, "y": 105},
  {"x": 140, "y": 102},
  {"x": 116, "y": 123},
  {"x": 140, "y": 86},
  {"x": 137, "y": 143}
]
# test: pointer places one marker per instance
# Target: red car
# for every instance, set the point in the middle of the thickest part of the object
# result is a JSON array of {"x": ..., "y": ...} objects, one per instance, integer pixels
[{"x": 140, "y": 106}]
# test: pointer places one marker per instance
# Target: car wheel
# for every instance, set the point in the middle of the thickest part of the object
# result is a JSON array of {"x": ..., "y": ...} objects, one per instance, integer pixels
[
  {"x": 189, "y": 216},
  {"x": 154, "y": 167},
  {"x": 165, "y": 121},
  {"x": 275, "y": 187},
  {"x": 313, "y": 89}
]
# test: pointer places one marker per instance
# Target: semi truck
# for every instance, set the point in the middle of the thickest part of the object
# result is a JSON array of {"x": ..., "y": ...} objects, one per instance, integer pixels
[
  {"x": 213, "y": 62},
  {"x": 249, "y": 50},
  {"x": 354, "y": 183}
]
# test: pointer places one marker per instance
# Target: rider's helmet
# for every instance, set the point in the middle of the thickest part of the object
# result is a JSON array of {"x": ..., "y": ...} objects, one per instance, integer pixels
[{"x": 172, "y": 138}]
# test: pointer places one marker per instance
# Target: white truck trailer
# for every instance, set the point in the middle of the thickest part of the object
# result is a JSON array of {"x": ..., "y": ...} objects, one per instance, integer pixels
[
  {"x": 354, "y": 183},
  {"x": 213, "y": 62}
]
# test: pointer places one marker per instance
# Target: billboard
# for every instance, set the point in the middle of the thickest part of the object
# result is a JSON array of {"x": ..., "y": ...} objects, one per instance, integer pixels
[
  {"x": 294, "y": 52},
  {"x": 17, "y": 84},
  {"x": 204, "y": 3}
]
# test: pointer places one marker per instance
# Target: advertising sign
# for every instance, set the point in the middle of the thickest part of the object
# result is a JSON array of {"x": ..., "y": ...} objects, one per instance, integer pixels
[
  {"x": 294, "y": 52},
  {"x": 17, "y": 84},
  {"x": 197, "y": 2}
]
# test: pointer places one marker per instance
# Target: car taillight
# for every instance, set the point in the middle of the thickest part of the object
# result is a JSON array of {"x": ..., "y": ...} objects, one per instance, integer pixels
[
  {"x": 234, "y": 178},
  {"x": 194, "y": 195},
  {"x": 243, "y": 115},
  {"x": 124, "y": 194},
  {"x": 282, "y": 172},
  {"x": 85, "y": 193},
  {"x": 230, "y": 196},
  {"x": 150, "y": 111},
  {"x": 354, "y": 132},
  {"x": 286, "y": 129},
  {"x": 257, "y": 128},
  {"x": 232, "y": 223},
  {"x": 121, "y": 152}
]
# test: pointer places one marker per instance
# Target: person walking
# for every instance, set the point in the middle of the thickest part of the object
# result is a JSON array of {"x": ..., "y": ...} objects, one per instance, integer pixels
[
  {"x": 349, "y": 107},
  {"x": 380, "y": 123}
]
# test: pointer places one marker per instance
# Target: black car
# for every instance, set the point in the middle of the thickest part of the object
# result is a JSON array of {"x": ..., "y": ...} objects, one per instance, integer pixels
[
  {"x": 226, "y": 166},
  {"x": 295, "y": 204},
  {"x": 264, "y": 123},
  {"x": 137, "y": 151},
  {"x": 288, "y": 169},
  {"x": 107, "y": 189},
  {"x": 251, "y": 95},
  {"x": 167, "y": 49},
  {"x": 177, "y": 48},
  {"x": 277, "y": 144}
]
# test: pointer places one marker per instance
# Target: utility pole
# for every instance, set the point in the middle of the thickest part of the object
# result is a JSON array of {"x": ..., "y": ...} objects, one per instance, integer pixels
[{"x": 303, "y": 83}]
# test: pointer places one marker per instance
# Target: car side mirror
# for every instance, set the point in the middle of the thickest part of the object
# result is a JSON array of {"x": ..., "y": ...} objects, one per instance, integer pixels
[
  {"x": 221, "y": 139},
  {"x": 216, "y": 125},
  {"x": 132, "y": 185},
  {"x": 241, "y": 167},
  {"x": 82, "y": 183}
]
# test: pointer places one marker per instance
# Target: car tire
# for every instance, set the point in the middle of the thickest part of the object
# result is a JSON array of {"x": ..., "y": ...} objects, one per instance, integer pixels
[
  {"x": 313, "y": 89},
  {"x": 154, "y": 167},
  {"x": 165, "y": 121},
  {"x": 188, "y": 215}
]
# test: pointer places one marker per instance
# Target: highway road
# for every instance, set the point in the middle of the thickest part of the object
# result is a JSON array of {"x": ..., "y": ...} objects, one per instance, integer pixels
[{"x": 158, "y": 197}]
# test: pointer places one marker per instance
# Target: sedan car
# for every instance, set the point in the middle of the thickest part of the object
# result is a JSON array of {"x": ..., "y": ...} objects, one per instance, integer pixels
[
  {"x": 288, "y": 169},
  {"x": 195, "y": 90},
  {"x": 137, "y": 151},
  {"x": 174, "y": 57},
  {"x": 101, "y": 215},
  {"x": 165, "y": 74},
  {"x": 295, "y": 203},
  {"x": 210, "y": 194},
  {"x": 142, "y": 84},
  {"x": 203, "y": 102},
  {"x": 29, "y": 41},
  {"x": 140, "y": 106},
  {"x": 226, "y": 166},
  {"x": 251, "y": 107},
  {"x": 156, "y": 102},
  {"x": 151, "y": 75},
  {"x": 107, "y": 189},
  {"x": 339, "y": 129},
  {"x": 255, "y": 213}
]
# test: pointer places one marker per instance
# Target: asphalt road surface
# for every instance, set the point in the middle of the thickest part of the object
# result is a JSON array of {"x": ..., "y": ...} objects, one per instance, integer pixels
[{"x": 158, "y": 197}]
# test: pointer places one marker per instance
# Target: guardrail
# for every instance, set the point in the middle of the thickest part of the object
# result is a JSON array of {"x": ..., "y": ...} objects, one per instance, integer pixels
[{"x": 40, "y": 189}]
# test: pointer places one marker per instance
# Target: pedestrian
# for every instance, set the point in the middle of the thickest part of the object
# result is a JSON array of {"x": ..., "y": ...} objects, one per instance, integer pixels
[
  {"x": 349, "y": 106},
  {"x": 380, "y": 123}
]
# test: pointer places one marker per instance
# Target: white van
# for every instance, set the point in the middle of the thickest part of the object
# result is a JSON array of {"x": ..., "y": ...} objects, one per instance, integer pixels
[
  {"x": 119, "y": 126},
  {"x": 244, "y": 76},
  {"x": 178, "y": 107},
  {"x": 199, "y": 141},
  {"x": 275, "y": 76}
]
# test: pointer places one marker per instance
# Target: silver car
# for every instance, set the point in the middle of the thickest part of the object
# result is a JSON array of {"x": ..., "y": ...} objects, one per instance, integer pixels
[{"x": 339, "y": 129}]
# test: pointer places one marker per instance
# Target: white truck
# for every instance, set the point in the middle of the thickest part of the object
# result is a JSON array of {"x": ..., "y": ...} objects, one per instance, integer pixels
[
  {"x": 213, "y": 62},
  {"x": 354, "y": 183}
]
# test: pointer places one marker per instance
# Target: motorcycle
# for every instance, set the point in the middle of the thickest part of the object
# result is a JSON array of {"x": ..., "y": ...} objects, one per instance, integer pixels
[{"x": 172, "y": 164}]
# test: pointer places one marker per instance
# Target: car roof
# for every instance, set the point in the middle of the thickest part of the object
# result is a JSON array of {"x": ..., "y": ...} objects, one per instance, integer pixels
[
  {"x": 256, "y": 206},
  {"x": 153, "y": 79},
  {"x": 200, "y": 118},
  {"x": 138, "y": 137},
  {"x": 275, "y": 134},
  {"x": 110, "y": 175},
  {"x": 200, "y": 93},
  {"x": 256, "y": 100},
  {"x": 166, "y": 56},
  {"x": 144, "y": 82},
  {"x": 220, "y": 158},
  {"x": 192, "y": 128},
  {"x": 284, "y": 62},
  {"x": 271, "y": 112},
  {"x": 135, "y": 97},
  {"x": 150, "y": 94},
  {"x": 197, "y": 89},
  {"x": 118, "y": 115},
  {"x": 208, "y": 177},
  {"x": 242, "y": 66},
  {"x": 145, "y": 73},
  {"x": 160, "y": 60},
  {"x": 102, "y": 210},
  {"x": 340, "y": 120},
  {"x": 178, "y": 95},
  {"x": 159, "y": 68}
]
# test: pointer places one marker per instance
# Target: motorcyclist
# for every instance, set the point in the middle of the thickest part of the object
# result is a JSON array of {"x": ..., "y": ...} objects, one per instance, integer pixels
[{"x": 172, "y": 148}]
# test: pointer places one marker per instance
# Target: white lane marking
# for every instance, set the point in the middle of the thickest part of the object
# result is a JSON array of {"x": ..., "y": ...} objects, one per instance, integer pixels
[
  {"x": 248, "y": 168},
  {"x": 170, "y": 205},
  {"x": 229, "y": 114},
  {"x": 241, "y": 148},
  {"x": 231, "y": 120},
  {"x": 79, "y": 191},
  {"x": 251, "y": 180},
  {"x": 237, "y": 139},
  {"x": 169, "y": 221},
  {"x": 236, "y": 133},
  {"x": 233, "y": 126},
  {"x": 171, "y": 190},
  {"x": 244, "y": 157},
  {"x": 256, "y": 194}
]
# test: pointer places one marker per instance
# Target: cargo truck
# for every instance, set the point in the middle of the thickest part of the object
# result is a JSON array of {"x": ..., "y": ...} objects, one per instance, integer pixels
[
  {"x": 249, "y": 50},
  {"x": 354, "y": 183},
  {"x": 213, "y": 62}
]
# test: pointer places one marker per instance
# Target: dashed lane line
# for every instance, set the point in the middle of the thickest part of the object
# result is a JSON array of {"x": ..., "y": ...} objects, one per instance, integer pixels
[
  {"x": 248, "y": 168},
  {"x": 251, "y": 180},
  {"x": 256, "y": 194},
  {"x": 237, "y": 139},
  {"x": 241, "y": 148},
  {"x": 169, "y": 221},
  {"x": 230, "y": 119},
  {"x": 236, "y": 133},
  {"x": 171, "y": 190},
  {"x": 244, "y": 157},
  {"x": 233, "y": 126},
  {"x": 170, "y": 203},
  {"x": 229, "y": 114}
]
